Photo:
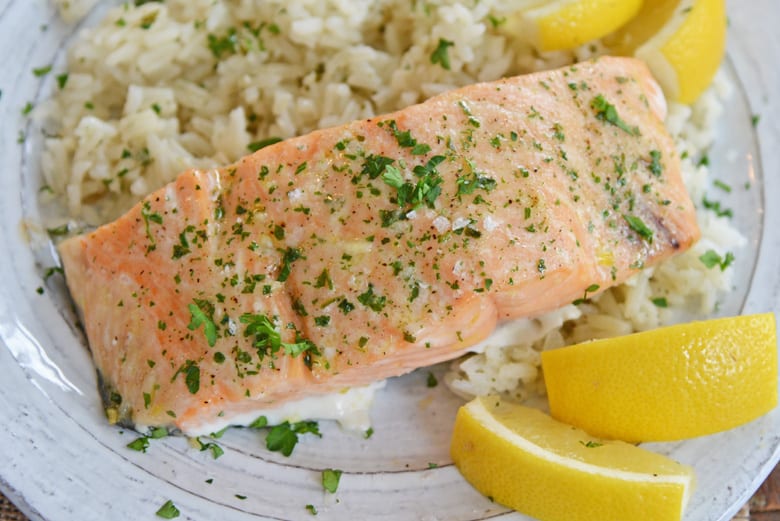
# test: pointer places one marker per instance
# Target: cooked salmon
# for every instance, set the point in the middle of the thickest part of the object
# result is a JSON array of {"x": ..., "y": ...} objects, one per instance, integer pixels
[{"x": 361, "y": 252}]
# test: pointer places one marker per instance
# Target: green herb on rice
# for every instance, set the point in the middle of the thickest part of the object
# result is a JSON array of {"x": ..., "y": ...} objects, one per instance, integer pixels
[{"x": 441, "y": 54}]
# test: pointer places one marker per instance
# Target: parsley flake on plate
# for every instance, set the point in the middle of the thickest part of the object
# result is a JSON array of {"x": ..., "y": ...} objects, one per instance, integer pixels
[
  {"x": 330, "y": 480},
  {"x": 168, "y": 510}
]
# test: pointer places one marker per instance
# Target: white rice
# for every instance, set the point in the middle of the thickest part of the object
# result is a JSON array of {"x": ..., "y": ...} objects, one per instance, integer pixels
[{"x": 147, "y": 96}]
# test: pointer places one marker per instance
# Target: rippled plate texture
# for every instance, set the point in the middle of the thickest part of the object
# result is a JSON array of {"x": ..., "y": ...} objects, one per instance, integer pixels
[{"x": 60, "y": 461}]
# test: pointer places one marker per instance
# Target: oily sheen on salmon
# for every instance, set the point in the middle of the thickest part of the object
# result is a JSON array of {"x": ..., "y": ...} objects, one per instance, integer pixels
[{"x": 362, "y": 252}]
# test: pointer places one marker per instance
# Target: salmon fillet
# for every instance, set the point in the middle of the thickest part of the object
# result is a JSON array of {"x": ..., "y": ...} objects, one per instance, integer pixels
[{"x": 361, "y": 252}]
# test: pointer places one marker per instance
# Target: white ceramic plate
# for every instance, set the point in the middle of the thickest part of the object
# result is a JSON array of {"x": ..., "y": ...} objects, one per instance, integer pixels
[{"x": 59, "y": 460}]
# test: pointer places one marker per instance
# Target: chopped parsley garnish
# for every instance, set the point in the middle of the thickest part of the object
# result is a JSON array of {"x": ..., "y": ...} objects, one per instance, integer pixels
[
  {"x": 441, "y": 54},
  {"x": 247, "y": 40},
  {"x": 192, "y": 378},
  {"x": 299, "y": 308},
  {"x": 346, "y": 306},
  {"x": 191, "y": 375},
  {"x": 393, "y": 177},
  {"x": 723, "y": 186},
  {"x": 284, "y": 437},
  {"x": 42, "y": 71},
  {"x": 397, "y": 267},
  {"x": 28, "y": 107},
  {"x": 323, "y": 280},
  {"x": 202, "y": 313},
  {"x": 150, "y": 217},
  {"x": 424, "y": 191},
  {"x": 388, "y": 217},
  {"x": 62, "y": 80},
  {"x": 158, "y": 432},
  {"x": 591, "y": 444},
  {"x": 254, "y": 146},
  {"x": 590, "y": 289},
  {"x": 375, "y": 165},
  {"x": 470, "y": 182},
  {"x": 301, "y": 345},
  {"x": 496, "y": 21},
  {"x": 431, "y": 380},
  {"x": 168, "y": 510},
  {"x": 639, "y": 226},
  {"x": 278, "y": 232},
  {"x": 312, "y": 510},
  {"x": 149, "y": 19},
  {"x": 711, "y": 258},
  {"x": 716, "y": 207},
  {"x": 420, "y": 149},
  {"x": 754, "y": 119},
  {"x": 655, "y": 163},
  {"x": 605, "y": 111},
  {"x": 474, "y": 122},
  {"x": 51, "y": 271},
  {"x": 330, "y": 480},
  {"x": 660, "y": 302},
  {"x": 268, "y": 341},
  {"x": 558, "y": 132},
  {"x": 181, "y": 249},
  {"x": 265, "y": 338},
  {"x": 139, "y": 444},
  {"x": 216, "y": 450},
  {"x": 259, "y": 423},
  {"x": 290, "y": 255},
  {"x": 371, "y": 300},
  {"x": 59, "y": 230},
  {"x": 226, "y": 44},
  {"x": 405, "y": 139}
]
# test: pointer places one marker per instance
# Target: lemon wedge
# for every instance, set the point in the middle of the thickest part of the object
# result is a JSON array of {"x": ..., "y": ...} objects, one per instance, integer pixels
[
  {"x": 667, "y": 384},
  {"x": 566, "y": 24},
  {"x": 682, "y": 41},
  {"x": 522, "y": 458}
]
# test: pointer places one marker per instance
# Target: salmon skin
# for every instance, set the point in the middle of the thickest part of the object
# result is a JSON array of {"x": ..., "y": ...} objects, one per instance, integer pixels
[{"x": 361, "y": 252}]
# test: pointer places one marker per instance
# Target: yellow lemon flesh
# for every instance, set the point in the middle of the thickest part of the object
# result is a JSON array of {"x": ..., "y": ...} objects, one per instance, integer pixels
[
  {"x": 667, "y": 384},
  {"x": 682, "y": 41},
  {"x": 566, "y": 24},
  {"x": 522, "y": 458}
]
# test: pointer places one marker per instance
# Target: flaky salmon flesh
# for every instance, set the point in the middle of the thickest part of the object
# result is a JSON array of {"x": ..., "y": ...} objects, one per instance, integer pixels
[{"x": 361, "y": 252}]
